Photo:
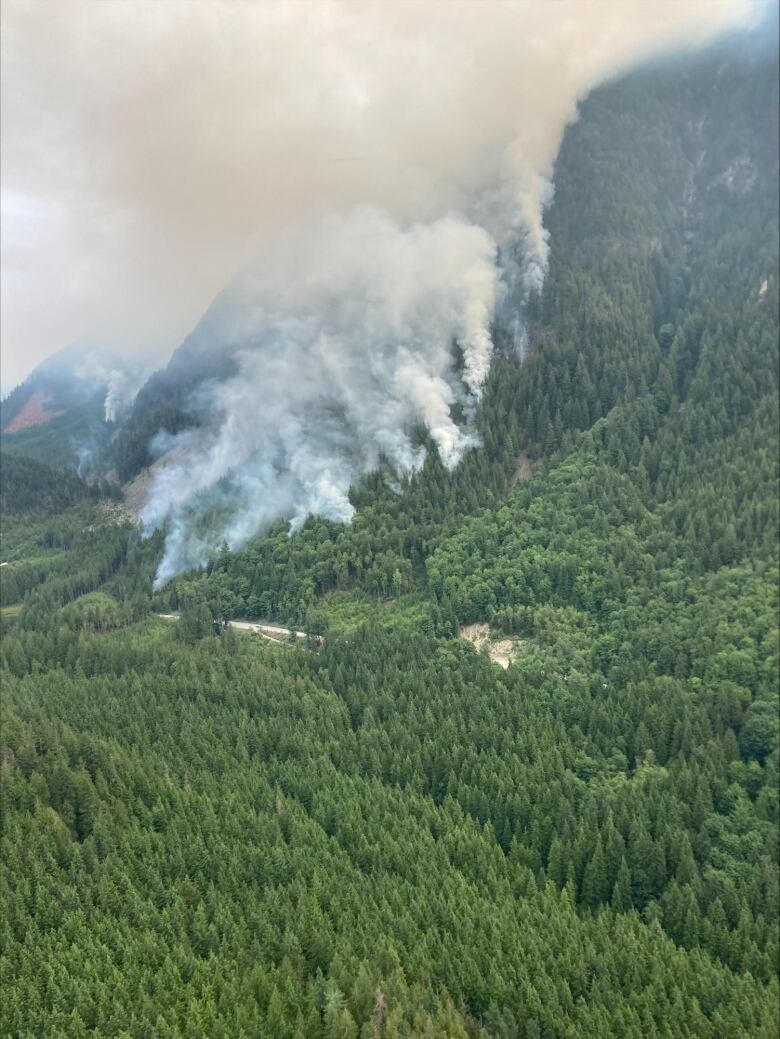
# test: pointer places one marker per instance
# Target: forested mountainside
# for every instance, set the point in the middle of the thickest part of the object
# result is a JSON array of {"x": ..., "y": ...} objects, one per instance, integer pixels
[
  {"x": 27, "y": 486},
  {"x": 387, "y": 835},
  {"x": 61, "y": 439},
  {"x": 66, "y": 410}
]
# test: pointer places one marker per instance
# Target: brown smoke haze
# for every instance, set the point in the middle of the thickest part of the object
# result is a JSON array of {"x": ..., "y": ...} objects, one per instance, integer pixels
[{"x": 149, "y": 149}]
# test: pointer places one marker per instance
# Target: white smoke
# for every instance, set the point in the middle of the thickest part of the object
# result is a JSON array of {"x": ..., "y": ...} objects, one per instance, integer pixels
[
  {"x": 346, "y": 332},
  {"x": 83, "y": 370},
  {"x": 121, "y": 388}
]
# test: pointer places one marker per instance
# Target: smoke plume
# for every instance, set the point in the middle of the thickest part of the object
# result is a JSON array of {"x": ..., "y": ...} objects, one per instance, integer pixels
[
  {"x": 151, "y": 150},
  {"x": 344, "y": 334},
  {"x": 89, "y": 369}
]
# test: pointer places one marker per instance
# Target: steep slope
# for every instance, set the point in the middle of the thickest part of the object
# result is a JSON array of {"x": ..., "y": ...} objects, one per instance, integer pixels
[
  {"x": 665, "y": 309},
  {"x": 27, "y": 486},
  {"x": 621, "y": 562},
  {"x": 65, "y": 411}
]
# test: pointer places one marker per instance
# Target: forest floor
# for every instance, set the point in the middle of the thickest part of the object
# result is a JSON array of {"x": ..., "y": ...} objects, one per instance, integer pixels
[{"x": 525, "y": 468}]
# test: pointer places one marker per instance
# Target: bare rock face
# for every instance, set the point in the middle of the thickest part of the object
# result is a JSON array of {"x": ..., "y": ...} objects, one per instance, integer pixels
[
  {"x": 136, "y": 492},
  {"x": 501, "y": 651}
]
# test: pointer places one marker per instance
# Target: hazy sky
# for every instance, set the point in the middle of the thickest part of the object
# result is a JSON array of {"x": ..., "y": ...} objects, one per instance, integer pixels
[{"x": 151, "y": 147}]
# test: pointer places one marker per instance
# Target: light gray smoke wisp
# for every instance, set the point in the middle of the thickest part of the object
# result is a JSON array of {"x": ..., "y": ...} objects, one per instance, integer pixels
[
  {"x": 121, "y": 388},
  {"x": 122, "y": 377},
  {"x": 345, "y": 331}
]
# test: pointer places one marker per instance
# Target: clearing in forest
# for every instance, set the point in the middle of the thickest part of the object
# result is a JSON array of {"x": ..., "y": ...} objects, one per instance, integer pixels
[{"x": 501, "y": 651}]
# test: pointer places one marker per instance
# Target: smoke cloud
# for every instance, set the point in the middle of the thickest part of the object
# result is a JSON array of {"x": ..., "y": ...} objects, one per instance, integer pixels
[
  {"x": 150, "y": 150},
  {"x": 344, "y": 334},
  {"x": 389, "y": 164}
]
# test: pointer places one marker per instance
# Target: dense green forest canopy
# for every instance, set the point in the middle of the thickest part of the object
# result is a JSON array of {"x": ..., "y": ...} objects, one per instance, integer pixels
[
  {"x": 386, "y": 835},
  {"x": 27, "y": 486}
]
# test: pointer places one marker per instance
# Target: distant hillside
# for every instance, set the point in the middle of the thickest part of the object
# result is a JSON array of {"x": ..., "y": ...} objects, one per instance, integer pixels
[
  {"x": 64, "y": 412},
  {"x": 34, "y": 412},
  {"x": 65, "y": 437},
  {"x": 54, "y": 387}
]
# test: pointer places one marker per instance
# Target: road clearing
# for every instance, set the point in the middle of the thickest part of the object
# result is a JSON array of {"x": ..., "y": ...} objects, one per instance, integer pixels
[{"x": 272, "y": 632}]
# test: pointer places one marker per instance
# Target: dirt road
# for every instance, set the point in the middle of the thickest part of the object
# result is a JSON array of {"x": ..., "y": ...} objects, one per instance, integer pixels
[{"x": 273, "y": 632}]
